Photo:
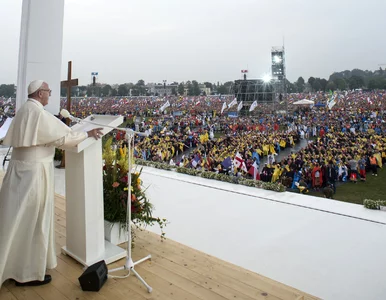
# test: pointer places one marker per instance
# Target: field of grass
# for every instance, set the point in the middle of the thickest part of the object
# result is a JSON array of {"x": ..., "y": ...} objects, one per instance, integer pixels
[{"x": 373, "y": 188}]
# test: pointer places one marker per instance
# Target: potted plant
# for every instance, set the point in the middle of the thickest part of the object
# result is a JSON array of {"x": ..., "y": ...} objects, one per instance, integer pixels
[{"x": 115, "y": 194}]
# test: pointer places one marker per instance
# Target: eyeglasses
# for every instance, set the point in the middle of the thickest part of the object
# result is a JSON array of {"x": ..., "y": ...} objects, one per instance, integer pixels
[{"x": 45, "y": 90}]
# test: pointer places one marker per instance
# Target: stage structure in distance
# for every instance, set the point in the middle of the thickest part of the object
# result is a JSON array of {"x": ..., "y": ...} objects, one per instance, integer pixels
[
  {"x": 279, "y": 74},
  {"x": 249, "y": 90}
]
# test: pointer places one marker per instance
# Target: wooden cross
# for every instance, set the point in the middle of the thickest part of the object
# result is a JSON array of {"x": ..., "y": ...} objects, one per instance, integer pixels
[{"x": 69, "y": 83}]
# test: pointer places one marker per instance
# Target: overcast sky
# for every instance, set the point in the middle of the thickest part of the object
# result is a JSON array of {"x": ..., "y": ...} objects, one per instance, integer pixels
[{"x": 207, "y": 40}]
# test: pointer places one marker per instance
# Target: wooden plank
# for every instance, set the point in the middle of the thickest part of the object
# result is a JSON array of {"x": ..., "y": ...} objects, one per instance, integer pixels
[
  {"x": 60, "y": 202},
  {"x": 221, "y": 284},
  {"x": 6, "y": 294},
  {"x": 175, "y": 272},
  {"x": 60, "y": 220},
  {"x": 211, "y": 266},
  {"x": 60, "y": 229},
  {"x": 165, "y": 285},
  {"x": 24, "y": 293},
  {"x": 48, "y": 291}
]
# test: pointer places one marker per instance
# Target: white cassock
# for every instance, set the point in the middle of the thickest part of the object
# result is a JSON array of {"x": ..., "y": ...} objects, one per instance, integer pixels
[{"x": 27, "y": 241}]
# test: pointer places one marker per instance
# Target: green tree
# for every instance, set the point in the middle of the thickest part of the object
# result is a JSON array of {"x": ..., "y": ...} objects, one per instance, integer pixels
[
  {"x": 7, "y": 90},
  {"x": 122, "y": 90},
  {"x": 377, "y": 83},
  {"x": 291, "y": 88},
  {"x": 196, "y": 88},
  {"x": 139, "y": 88},
  {"x": 311, "y": 81},
  {"x": 208, "y": 85},
  {"x": 106, "y": 90},
  {"x": 323, "y": 83},
  {"x": 340, "y": 83},
  {"x": 300, "y": 84},
  {"x": 222, "y": 90},
  {"x": 114, "y": 92},
  {"x": 90, "y": 91},
  {"x": 331, "y": 86},
  {"x": 356, "y": 82},
  {"x": 317, "y": 85},
  {"x": 225, "y": 89},
  {"x": 181, "y": 88},
  {"x": 189, "y": 87},
  {"x": 141, "y": 82}
]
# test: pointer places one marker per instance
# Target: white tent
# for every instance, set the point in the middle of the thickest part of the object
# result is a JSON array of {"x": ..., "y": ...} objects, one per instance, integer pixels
[{"x": 304, "y": 102}]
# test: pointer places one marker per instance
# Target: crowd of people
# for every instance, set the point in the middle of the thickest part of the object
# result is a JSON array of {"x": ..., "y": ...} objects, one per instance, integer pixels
[{"x": 345, "y": 140}]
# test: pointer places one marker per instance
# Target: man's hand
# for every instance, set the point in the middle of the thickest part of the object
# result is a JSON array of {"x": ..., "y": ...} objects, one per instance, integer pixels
[{"x": 96, "y": 133}]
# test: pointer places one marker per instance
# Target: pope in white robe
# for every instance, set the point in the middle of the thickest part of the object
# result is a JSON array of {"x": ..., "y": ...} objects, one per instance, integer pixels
[{"x": 27, "y": 242}]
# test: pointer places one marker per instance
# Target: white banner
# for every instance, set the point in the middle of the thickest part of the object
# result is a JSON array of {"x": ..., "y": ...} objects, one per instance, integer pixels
[
  {"x": 224, "y": 106},
  {"x": 240, "y": 106},
  {"x": 233, "y": 103},
  {"x": 253, "y": 106},
  {"x": 163, "y": 107}
]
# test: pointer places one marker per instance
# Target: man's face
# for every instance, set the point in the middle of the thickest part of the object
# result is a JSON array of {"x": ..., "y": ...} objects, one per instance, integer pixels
[{"x": 44, "y": 94}]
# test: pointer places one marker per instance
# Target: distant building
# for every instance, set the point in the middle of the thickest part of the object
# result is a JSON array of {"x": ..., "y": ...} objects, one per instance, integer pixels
[
  {"x": 161, "y": 89},
  {"x": 204, "y": 89}
]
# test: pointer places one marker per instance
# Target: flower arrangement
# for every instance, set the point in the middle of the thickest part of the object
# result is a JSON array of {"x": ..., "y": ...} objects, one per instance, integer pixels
[
  {"x": 277, "y": 187},
  {"x": 373, "y": 204},
  {"x": 115, "y": 191}
]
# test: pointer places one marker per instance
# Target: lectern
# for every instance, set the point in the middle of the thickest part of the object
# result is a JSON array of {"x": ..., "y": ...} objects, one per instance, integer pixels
[{"x": 85, "y": 239}]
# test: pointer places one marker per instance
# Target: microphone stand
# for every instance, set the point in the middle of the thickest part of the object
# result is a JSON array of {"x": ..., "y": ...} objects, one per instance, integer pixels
[{"x": 129, "y": 264}]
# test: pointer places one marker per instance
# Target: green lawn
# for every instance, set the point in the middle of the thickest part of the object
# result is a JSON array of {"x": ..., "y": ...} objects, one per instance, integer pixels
[{"x": 373, "y": 188}]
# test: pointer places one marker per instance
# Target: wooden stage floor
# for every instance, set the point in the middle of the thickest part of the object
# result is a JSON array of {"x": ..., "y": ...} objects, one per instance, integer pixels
[{"x": 175, "y": 272}]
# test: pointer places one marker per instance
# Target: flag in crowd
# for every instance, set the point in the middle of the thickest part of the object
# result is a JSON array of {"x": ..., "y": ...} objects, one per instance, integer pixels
[
  {"x": 166, "y": 105},
  {"x": 253, "y": 106},
  {"x": 224, "y": 106},
  {"x": 233, "y": 103},
  {"x": 240, "y": 106}
]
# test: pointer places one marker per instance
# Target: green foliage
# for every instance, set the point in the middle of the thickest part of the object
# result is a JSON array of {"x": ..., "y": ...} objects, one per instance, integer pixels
[
  {"x": 377, "y": 83},
  {"x": 7, "y": 90},
  {"x": 356, "y": 82},
  {"x": 181, "y": 88},
  {"x": 58, "y": 154},
  {"x": 106, "y": 90},
  {"x": 196, "y": 89},
  {"x": 331, "y": 86},
  {"x": 115, "y": 191},
  {"x": 225, "y": 88},
  {"x": 300, "y": 84},
  {"x": 122, "y": 90},
  {"x": 373, "y": 204}
]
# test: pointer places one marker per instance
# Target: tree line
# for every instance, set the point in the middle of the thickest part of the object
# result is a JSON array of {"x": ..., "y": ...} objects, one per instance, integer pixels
[
  {"x": 355, "y": 79},
  {"x": 344, "y": 80}
]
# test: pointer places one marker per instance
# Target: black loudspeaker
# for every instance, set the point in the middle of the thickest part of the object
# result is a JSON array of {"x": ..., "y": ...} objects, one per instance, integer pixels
[{"x": 94, "y": 277}]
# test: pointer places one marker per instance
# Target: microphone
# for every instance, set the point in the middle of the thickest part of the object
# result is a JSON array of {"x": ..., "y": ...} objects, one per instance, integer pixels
[{"x": 65, "y": 114}]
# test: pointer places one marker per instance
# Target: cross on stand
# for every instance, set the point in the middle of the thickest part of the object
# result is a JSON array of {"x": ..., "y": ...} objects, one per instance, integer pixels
[{"x": 68, "y": 84}]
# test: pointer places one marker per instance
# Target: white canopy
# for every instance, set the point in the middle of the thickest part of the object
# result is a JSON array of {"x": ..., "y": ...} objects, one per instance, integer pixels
[{"x": 304, "y": 102}]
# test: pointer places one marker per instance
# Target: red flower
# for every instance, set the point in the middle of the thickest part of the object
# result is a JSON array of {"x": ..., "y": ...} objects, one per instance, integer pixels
[
  {"x": 133, "y": 197},
  {"x": 115, "y": 184}
]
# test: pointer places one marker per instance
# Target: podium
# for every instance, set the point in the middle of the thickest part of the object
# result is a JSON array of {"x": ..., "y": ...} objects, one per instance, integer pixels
[{"x": 85, "y": 239}]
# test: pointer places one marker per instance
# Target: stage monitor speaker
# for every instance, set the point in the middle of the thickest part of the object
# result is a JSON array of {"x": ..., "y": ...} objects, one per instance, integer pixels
[{"x": 94, "y": 277}]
